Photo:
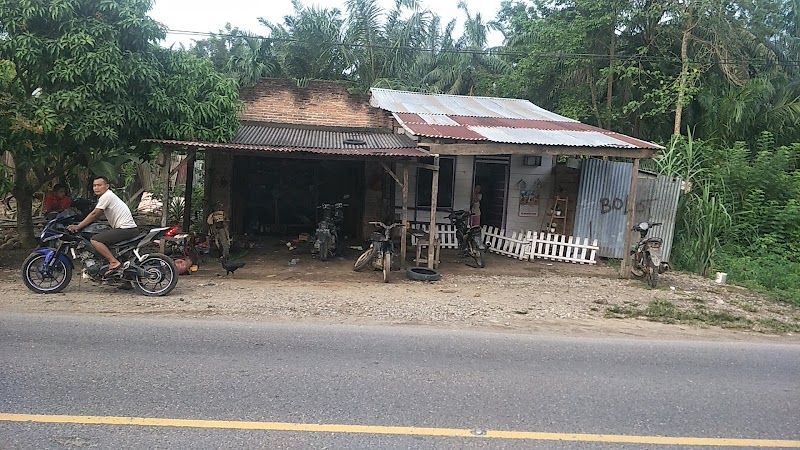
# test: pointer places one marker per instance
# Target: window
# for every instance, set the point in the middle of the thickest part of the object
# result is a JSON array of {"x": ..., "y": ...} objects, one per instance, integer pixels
[
  {"x": 532, "y": 160},
  {"x": 447, "y": 170}
]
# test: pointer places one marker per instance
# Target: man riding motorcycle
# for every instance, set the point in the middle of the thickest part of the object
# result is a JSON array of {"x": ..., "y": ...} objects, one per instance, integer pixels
[{"x": 119, "y": 217}]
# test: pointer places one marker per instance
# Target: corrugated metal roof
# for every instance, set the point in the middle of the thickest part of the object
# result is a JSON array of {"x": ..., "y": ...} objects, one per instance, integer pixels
[
  {"x": 501, "y": 120},
  {"x": 318, "y": 138},
  {"x": 550, "y": 137},
  {"x": 460, "y": 105},
  {"x": 359, "y": 151}
]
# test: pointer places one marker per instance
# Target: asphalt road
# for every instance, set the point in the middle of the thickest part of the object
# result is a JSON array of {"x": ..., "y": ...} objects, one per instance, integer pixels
[{"x": 196, "y": 384}]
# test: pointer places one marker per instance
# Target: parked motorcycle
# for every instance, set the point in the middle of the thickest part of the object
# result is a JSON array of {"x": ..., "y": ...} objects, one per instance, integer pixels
[
  {"x": 218, "y": 231},
  {"x": 49, "y": 268},
  {"x": 327, "y": 237},
  {"x": 646, "y": 261},
  {"x": 379, "y": 254},
  {"x": 470, "y": 241}
]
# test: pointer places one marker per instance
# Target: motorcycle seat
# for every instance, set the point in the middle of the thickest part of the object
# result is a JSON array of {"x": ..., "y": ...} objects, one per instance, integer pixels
[{"x": 128, "y": 241}]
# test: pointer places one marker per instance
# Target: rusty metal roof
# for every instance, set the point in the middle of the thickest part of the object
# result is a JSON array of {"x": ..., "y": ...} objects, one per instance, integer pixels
[
  {"x": 500, "y": 120},
  {"x": 264, "y": 138},
  {"x": 319, "y": 138},
  {"x": 397, "y": 152}
]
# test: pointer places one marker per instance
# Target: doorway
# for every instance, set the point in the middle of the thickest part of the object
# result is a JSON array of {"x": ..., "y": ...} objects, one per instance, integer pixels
[{"x": 491, "y": 173}]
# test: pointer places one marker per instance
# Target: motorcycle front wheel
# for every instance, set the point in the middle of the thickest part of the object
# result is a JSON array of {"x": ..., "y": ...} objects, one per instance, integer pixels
[
  {"x": 652, "y": 276},
  {"x": 479, "y": 258},
  {"x": 323, "y": 249},
  {"x": 387, "y": 266},
  {"x": 224, "y": 243},
  {"x": 45, "y": 280},
  {"x": 158, "y": 276}
]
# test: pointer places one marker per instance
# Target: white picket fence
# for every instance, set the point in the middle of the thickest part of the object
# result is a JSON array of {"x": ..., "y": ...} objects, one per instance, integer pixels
[
  {"x": 557, "y": 247},
  {"x": 525, "y": 245},
  {"x": 445, "y": 233},
  {"x": 532, "y": 244},
  {"x": 515, "y": 246}
]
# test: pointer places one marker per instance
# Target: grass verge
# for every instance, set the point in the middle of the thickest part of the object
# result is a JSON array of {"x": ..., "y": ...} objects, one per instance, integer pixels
[{"x": 667, "y": 312}]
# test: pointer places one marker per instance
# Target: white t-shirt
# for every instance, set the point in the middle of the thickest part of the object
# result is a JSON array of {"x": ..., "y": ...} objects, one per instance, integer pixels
[{"x": 116, "y": 211}]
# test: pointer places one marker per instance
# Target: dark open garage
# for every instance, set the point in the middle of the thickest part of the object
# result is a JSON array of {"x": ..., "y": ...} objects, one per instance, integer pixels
[{"x": 277, "y": 196}]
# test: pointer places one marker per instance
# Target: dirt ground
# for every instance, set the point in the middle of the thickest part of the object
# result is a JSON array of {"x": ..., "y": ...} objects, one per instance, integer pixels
[{"x": 518, "y": 296}]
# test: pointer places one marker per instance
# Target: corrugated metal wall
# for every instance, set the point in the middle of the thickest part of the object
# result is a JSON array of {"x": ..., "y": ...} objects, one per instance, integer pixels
[
  {"x": 657, "y": 201},
  {"x": 603, "y": 199}
]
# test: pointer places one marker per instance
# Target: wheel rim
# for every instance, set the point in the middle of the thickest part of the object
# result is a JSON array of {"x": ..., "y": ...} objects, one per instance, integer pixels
[
  {"x": 41, "y": 278},
  {"x": 157, "y": 276},
  {"x": 364, "y": 259},
  {"x": 387, "y": 266}
]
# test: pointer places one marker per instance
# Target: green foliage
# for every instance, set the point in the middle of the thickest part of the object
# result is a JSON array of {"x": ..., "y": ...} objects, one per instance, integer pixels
[
  {"x": 682, "y": 158},
  {"x": 770, "y": 272},
  {"x": 90, "y": 82},
  {"x": 667, "y": 312},
  {"x": 743, "y": 214},
  {"x": 704, "y": 221}
]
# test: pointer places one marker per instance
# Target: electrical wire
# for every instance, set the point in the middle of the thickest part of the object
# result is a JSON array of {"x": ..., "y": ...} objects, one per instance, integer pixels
[{"x": 499, "y": 52}]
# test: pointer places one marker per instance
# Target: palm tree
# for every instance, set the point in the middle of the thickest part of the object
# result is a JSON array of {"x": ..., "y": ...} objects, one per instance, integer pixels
[
  {"x": 460, "y": 64},
  {"x": 740, "y": 113},
  {"x": 309, "y": 43},
  {"x": 251, "y": 59}
]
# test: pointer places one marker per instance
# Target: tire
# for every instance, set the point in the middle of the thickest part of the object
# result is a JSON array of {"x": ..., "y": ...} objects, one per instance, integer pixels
[
  {"x": 423, "y": 274},
  {"x": 224, "y": 243},
  {"x": 638, "y": 268},
  {"x": 652, "y": 276},
  {"x": 479, "y": 259},
  {"x": 364, "y": 259},
  {"x": 387, "y": 266},
  {"x": 35, "y": 280},
  {"x": 476, "y": 252},
  {"x": 323, "y": 250},
  {"x": 160, "y": 276}
]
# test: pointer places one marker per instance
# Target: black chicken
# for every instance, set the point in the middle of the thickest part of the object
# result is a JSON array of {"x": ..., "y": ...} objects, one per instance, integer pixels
[{"x": 230, "y": 267}]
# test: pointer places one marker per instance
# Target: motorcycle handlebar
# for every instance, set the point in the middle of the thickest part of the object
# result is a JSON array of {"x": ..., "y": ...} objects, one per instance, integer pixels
[{"x": 386, "y": 227}]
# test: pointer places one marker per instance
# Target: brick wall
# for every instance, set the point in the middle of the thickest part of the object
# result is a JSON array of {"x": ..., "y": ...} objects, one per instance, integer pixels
[{"x": 321, "y": 103}]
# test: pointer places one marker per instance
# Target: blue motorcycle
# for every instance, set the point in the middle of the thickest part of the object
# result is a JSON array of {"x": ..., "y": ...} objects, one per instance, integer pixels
[{"x": 49, "y": 268}]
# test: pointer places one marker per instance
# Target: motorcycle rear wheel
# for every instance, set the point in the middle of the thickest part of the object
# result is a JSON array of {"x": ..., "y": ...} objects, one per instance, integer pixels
[
  {"x": 364, "y": 259},
  {"x": 42, "y": 281},
  {"x": 160, "y": 276}
]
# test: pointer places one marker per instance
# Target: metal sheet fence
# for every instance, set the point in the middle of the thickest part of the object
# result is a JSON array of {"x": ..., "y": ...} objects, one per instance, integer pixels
[{"x": 603, "y": 199}]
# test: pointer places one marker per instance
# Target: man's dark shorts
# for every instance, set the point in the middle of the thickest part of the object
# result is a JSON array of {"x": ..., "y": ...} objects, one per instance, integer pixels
[{"x": 113, "y": 236}]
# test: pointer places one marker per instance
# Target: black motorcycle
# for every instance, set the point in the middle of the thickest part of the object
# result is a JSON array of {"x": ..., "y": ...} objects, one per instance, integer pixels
[
  {"x": 49, "y": 268},
  {"x": 470, "y": 241},
  {"x": 380, "y": 251},
  {"x": 646, "y": 261},
  {"x": 327, "y": 236}
]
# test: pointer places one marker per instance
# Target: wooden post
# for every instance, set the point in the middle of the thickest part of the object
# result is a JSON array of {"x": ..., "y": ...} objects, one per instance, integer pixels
[
  {"x": 434, "y": 201},
  {"x": 629, "y": 217},
  {"x": 187, "y": 199},
  {"x": 165, "y": 197},
  {"x": 404, "y": 236}
]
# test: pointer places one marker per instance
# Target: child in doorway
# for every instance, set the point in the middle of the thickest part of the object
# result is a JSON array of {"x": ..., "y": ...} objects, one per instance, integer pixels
[{"x": 475, "y": 206}]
